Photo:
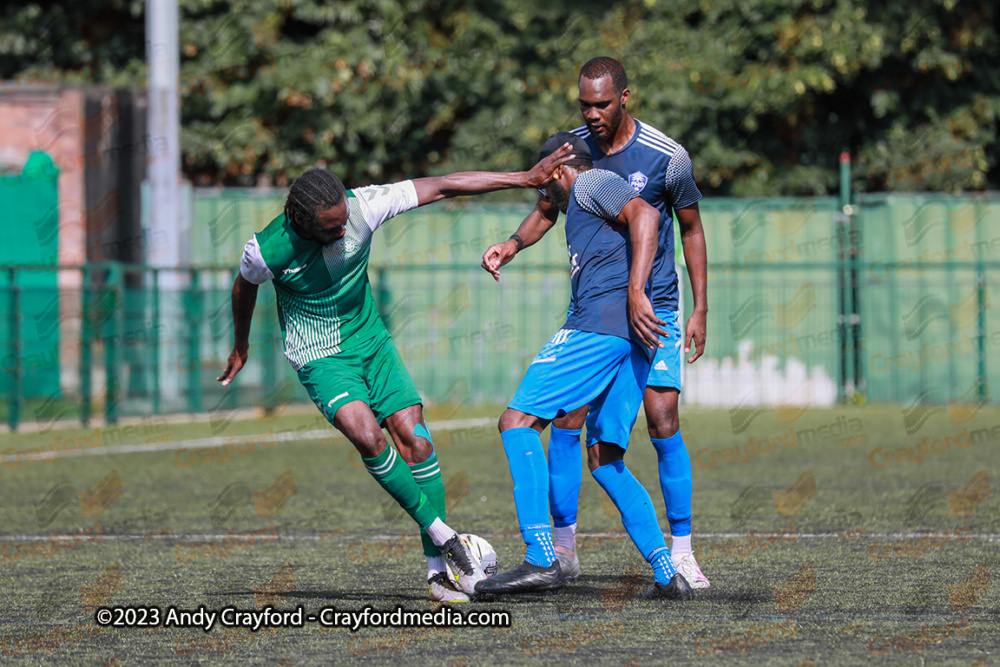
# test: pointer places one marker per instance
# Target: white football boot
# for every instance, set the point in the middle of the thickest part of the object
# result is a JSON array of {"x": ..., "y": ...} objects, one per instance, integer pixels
[
  {"x": 687, "y": 566},
  {"x": 441, "y": 589},
  {"x": 568, "y": 561}
]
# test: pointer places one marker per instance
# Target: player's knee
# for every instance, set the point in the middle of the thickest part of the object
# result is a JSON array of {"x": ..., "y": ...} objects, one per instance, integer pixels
[
  {"x": 369, "y": 442},
  {"x": 663, "y": 423},
  {"x": 573, "y": 420},
  {"x": 604, "y": 453},
  {"x": 417, "y": 450},
  {"x": 513, "y": 419}
]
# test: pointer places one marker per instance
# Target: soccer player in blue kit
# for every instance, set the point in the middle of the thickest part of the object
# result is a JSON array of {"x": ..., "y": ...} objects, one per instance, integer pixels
[
  {"x": 600, "y": 358},
  {"x": 659, "y": 169}
]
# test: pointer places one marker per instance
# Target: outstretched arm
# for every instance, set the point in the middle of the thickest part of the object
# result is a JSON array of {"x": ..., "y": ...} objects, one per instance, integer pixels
[
  {"x": 244, "y": 299},
  {"x": 532, "y": 229},
  {"x": 435, "y": 188},
  {"x": 696, "y": 258},
  {"x": 643, "y": 223}
]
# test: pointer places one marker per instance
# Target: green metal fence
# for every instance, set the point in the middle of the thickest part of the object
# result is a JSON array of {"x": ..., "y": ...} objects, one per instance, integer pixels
[
  {"x": 889, "y": 302},
  {"x": 133, "y": 346}
]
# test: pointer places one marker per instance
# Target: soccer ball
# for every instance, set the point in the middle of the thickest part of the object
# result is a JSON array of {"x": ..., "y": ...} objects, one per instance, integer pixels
[{"x": 482, "y": 551}]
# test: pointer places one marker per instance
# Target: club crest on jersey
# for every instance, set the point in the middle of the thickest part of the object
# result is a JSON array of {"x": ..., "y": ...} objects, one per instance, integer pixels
[
  {"x": 344, "y": 246},
  {"x": 637, "y": 180}
]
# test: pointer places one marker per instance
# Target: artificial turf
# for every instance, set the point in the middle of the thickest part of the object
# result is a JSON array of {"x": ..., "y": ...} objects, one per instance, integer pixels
[{"x": 831, "y": 545}]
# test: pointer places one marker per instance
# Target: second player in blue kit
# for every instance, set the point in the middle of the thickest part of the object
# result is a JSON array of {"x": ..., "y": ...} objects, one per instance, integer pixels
[
  {"x": 601, "y": 359},
  {"x": 659, "y": 170}
]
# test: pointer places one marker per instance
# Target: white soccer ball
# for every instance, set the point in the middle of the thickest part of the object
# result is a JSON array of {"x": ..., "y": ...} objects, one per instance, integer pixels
[{"x": 482, "y": 551}]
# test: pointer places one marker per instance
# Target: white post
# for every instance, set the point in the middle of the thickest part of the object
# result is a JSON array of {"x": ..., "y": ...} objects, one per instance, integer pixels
[
  {"x": 164, "y": 149},
  {"x": 166, "y": 214}
]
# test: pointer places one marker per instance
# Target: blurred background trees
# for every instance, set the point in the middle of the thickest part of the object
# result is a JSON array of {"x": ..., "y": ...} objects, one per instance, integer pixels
[{"x": 765, "y": 94}]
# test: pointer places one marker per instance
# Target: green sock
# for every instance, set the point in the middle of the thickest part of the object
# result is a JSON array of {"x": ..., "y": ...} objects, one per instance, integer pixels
[
  {"x": 428, "y": 477},
  {"x": 391, "y": 472}
]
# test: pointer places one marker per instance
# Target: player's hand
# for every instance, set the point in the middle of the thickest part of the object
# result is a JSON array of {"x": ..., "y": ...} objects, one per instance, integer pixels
[
  {"x": 695, "y": 329},
  {"x": 644, "y": 320},
  {"x": 498, "y": 255},
  {"x": 542, "y": 173},
  {"x": 237, "y": 358}
]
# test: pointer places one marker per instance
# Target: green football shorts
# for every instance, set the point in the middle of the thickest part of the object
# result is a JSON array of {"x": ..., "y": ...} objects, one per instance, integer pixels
[{"x": 373, "y": 372}]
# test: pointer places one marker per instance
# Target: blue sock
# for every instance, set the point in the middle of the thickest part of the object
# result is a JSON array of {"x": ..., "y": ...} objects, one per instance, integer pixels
[
  {"x": 565, "y": 475},
  {"x": 675, "y": 481},
  {"x": 638, "y": 516},
  {"x": 531, "y": 488}
]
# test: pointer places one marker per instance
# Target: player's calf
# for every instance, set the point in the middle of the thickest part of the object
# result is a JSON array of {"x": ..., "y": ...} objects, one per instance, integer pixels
[
  {"x": 638, "y": 517},
  {"x": 565, "y": 473}
]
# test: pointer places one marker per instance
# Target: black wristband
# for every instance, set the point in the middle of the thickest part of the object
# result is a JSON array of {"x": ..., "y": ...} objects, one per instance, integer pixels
[{"x": 520, "y": 241}]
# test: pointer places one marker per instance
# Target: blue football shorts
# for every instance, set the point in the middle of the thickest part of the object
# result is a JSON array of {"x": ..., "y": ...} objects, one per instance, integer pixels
[
  {"x": 665, "y": 371},
  {"x": 577, "y": 368}
]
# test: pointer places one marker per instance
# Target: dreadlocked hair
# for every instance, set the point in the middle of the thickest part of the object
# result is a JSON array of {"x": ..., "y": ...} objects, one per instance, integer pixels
[{"x": 311, "y": 192}]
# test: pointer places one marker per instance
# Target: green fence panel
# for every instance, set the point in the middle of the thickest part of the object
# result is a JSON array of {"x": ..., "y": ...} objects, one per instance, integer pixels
[
  {"x": 774, "y": 293},
  {"x": 224, "y": 218},
  {"x": 930, "y": 328},
  {"x": 29, "y": 200},
  {"x": 773, "y": 312}
]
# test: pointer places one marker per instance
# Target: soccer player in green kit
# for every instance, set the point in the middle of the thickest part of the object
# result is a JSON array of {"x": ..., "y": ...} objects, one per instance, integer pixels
[{"x": 316, "y": 254}]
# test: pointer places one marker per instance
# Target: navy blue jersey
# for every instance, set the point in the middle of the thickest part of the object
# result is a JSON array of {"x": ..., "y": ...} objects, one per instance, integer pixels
[
  {"x": 659, "y": 169},
  {"x": 599, "y": 254}
]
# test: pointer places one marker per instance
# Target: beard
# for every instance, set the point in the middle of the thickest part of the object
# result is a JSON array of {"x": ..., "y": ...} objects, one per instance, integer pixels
[
  {"x": 558, "y": 195},
  {"x": 615, "y": 121},
  {"x": 609, "y": 127}
]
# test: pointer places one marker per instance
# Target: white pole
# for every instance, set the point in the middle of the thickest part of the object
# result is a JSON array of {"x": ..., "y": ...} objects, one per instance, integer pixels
[
  {"x": 166, "y": 214},
  {"x": 164, "y": 154}
]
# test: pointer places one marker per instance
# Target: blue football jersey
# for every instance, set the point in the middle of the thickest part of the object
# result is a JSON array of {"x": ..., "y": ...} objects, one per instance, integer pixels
[
  {"x": 599, "y": 254},
  {"x": 659, "y": 169}
]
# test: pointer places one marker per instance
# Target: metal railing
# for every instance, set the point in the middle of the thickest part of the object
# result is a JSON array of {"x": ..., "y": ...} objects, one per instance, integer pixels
[{"x": 885, "y": 300}]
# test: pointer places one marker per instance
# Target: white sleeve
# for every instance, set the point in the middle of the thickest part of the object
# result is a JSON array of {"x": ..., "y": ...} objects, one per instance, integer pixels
[
  {"x": 381, "y": 202},
  {"x": 252, "y": 266}
]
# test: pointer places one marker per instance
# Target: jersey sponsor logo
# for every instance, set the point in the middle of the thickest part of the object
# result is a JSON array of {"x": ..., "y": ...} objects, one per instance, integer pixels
[
  {"x": 637, "y": 180},
  {"x": 292, "y": 272}
]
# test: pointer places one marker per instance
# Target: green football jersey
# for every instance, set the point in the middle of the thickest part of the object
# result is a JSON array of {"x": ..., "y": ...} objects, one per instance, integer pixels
[{"x": 325, "y": 303}]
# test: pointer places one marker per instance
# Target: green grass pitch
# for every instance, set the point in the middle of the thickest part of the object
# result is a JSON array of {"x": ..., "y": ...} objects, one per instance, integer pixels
[{"x": 831, "y": 537}]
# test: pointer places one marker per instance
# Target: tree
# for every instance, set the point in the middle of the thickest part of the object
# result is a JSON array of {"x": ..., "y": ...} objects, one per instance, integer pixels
[{"x": 765, "y": 94}]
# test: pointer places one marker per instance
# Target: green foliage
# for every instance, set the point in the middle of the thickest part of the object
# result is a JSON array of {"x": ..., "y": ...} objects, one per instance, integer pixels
[{"x": 765, "y": 94}]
